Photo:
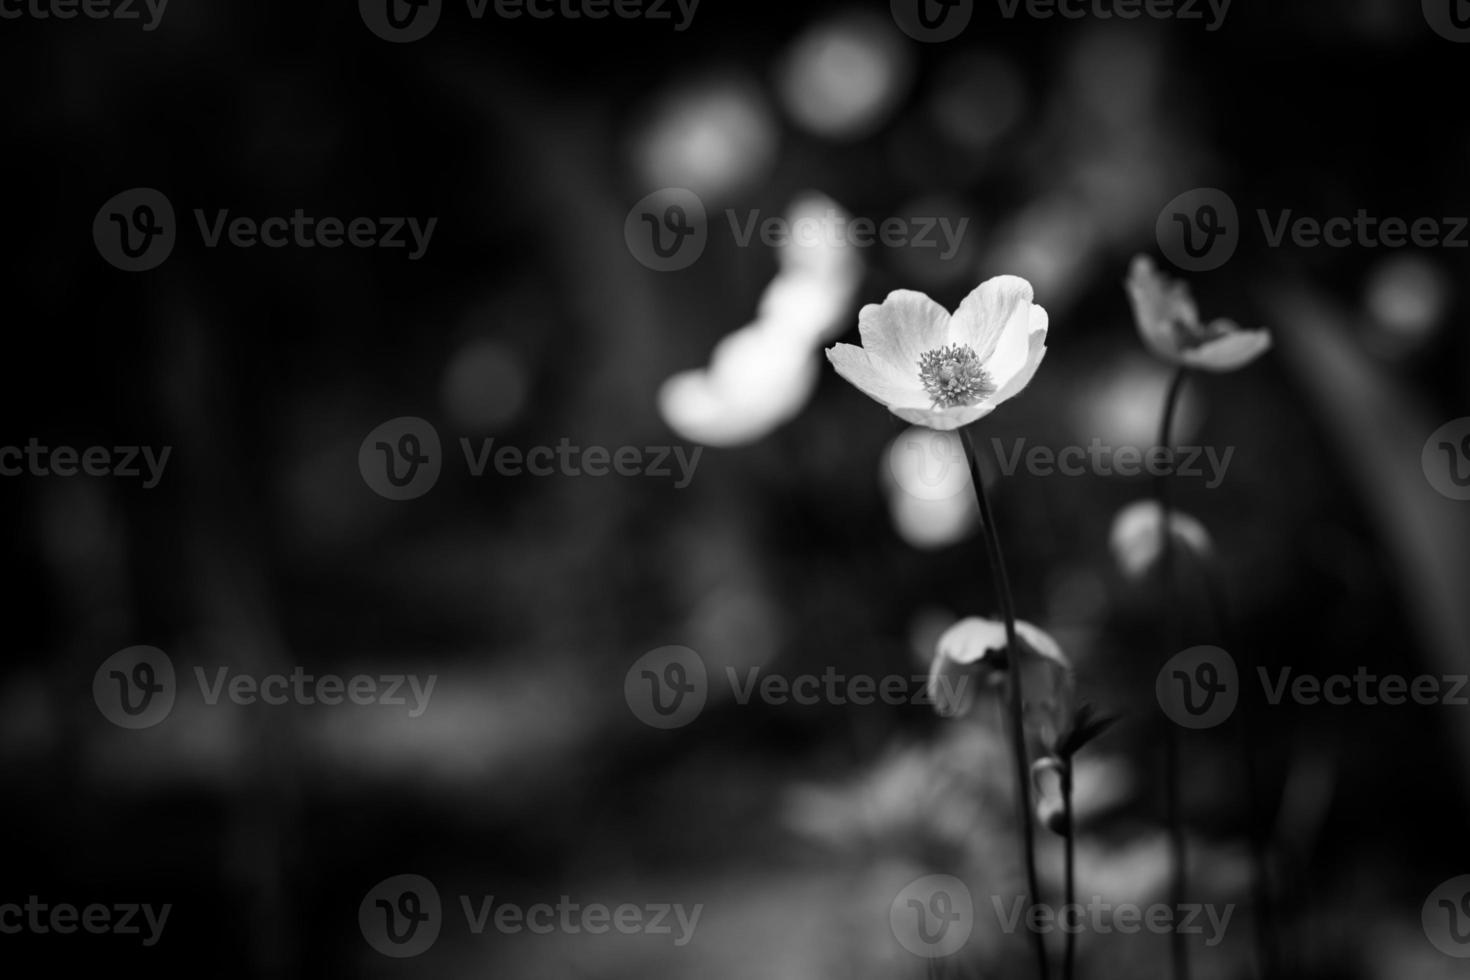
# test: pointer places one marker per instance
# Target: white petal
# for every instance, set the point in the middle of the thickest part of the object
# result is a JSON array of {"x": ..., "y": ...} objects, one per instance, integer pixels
[
  {"x": 944, "y": 419},
  {"x": 1017, "y": 347},
  {"x": 1019, "y": 380},
  {"x": 991, "y": 308},
  {"x": 1159, "y": 303},
  {"x": 971, "y": 640},
  {"x": 1229, "y": 353},
  {"x": 877, "y": 379},
  {"x": 906, "y": 325}
]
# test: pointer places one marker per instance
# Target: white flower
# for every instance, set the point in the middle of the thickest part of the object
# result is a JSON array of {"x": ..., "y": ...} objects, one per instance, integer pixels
[
  {"x": 970, "y": 652},
  {"x": 1137, "y": 544},
  {"x": 1170, "y": 325},
  {"x": 941, "y": 371}
]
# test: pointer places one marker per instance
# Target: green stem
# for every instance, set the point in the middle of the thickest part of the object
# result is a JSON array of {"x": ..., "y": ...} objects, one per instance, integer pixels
[
  {"x": 1015, "y": 699},
  {"x": 1173, "y": 806}
]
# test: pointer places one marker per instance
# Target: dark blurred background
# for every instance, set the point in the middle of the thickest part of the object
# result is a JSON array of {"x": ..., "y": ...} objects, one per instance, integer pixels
[{"x": 794, "y": 547}]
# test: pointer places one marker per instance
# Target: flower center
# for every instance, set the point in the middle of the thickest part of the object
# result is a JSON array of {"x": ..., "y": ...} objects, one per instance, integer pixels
[{"x": 953, "y": 376}]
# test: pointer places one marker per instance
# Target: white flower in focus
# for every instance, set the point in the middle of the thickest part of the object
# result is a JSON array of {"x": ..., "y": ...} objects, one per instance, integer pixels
[
  {"x": 1170, "y": 325},
  {"x": 1137, "y": 542},
  {"x": 941, "y": 371}
]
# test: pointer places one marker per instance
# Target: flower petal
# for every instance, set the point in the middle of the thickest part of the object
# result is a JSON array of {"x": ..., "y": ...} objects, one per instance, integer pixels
[
  {"x": 1163, "y": 308},
  {"x": 971, "y": 639},
  {"x": 1018, "y": 350},
  {"x": 1229, "y": 352},
  {"x": 1136, "y": 540},
  {"x": 992, "y": 307},
  {"x": 900, "y": 330},
  {"x": 944, "y": 419},
  {"x": 876, "y": 379}
]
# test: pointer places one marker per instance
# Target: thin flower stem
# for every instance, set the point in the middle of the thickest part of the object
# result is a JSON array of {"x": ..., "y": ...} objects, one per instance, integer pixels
[
  {"x": 1173, "y": 808},
  {"x": 1069, "y": 897},
  {"x": 1013, "y": 688}
]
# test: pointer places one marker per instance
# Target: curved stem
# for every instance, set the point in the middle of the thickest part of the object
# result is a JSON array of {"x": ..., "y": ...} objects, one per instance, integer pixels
[
  {"x": 1173, "y": 807},
  {"x": 1015, "y": 699}
]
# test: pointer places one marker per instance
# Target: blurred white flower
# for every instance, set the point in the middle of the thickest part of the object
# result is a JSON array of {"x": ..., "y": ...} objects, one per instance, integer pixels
[
  {"x": 1169, "y": 323},
  {"x": 756, "y": 381},
  {"x": 972, "y": 651},
  {"x": 1137, "y": 544},
  {"x": 763, "y": 374},
  {"x": 941, "y": 371}
]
